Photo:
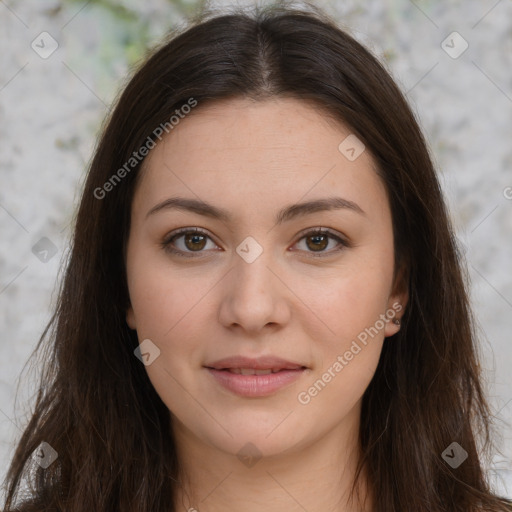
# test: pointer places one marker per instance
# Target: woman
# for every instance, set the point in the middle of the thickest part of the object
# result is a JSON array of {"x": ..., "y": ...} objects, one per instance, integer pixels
[{"x": 263, "y": 291}]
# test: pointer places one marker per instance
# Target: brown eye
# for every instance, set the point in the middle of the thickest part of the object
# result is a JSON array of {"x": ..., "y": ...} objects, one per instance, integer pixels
[
  {"x": 185, "y": 242},
  {"x": 195, "y": 242},
  {"x": 317, "y": 241}
]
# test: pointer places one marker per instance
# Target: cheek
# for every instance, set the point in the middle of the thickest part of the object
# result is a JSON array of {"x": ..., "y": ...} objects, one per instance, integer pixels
[
  {"x": 353, "y": 351},
  {"x": 168, "y": 312},
  {"x": 161, "y": 297},
  {"x": 341, "y": 383},
  {"x": 169, "y": 309},
  {"x": 348, "y": 353},
  {"x": 350, "y": 298},
  {"x": 349, "y": 303}
]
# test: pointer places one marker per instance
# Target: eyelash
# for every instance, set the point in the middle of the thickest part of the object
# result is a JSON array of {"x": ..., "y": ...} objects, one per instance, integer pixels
[{"x": 166, "y": 243}]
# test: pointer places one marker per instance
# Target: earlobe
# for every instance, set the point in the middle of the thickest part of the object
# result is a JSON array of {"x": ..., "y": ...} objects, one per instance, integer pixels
[
  {"x": 130, "y": 318},
  {"x": 397, "y": 303},
  {"x": 394, "y": 318}
]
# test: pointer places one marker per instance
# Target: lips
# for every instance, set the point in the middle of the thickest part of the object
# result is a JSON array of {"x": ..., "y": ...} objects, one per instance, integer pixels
[
  {"x": 250, "y": 366},
  {"x": 251, "y": 371},
  {"x": 255, "y": 378}
]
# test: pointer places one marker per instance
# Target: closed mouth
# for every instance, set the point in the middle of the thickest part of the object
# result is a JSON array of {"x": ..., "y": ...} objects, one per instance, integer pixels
[{"x": 254, "y": 371}]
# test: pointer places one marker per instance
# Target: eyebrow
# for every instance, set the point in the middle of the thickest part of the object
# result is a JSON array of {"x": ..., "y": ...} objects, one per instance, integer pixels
[{"x": 284, "y": 215}]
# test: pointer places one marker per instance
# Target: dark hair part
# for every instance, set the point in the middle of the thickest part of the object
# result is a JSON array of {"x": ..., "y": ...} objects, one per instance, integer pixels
[{"x": 96, "y": 406}]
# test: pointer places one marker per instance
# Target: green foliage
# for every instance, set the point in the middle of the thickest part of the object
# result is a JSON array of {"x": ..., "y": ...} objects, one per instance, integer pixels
[
  {"x": 106, "y": 37},
  {"x": 128, "y": 27}
]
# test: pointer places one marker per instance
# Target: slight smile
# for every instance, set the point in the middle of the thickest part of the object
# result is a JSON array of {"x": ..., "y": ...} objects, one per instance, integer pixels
[{"x": 254, "y": 378}]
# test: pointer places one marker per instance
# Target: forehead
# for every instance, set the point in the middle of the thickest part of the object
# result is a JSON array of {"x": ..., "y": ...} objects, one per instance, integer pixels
[{"x": 255, "y": 153}]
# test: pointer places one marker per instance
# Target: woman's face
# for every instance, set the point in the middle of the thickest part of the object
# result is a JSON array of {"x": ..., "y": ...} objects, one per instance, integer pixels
[{"x": 257, "y": 282}]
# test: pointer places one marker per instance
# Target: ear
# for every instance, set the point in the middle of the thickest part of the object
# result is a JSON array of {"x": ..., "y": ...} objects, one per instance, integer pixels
[
  {"x": 397, "y": 301},
  {"x": 130, "y": 318}
]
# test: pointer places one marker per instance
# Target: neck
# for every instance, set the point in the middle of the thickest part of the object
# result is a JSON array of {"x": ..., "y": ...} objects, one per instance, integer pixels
[{"x": 315, "y": 478}]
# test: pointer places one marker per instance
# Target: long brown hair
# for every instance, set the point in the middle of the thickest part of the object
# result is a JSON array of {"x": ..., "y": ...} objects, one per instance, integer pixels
[{"x": 96, "y": 406}]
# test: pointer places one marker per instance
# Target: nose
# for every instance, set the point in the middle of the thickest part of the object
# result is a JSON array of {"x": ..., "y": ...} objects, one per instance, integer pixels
[{"x": 254, "y": 296}]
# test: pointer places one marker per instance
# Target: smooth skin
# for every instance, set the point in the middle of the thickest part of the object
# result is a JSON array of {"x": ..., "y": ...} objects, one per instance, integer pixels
[{"x": 300, "y": 299}]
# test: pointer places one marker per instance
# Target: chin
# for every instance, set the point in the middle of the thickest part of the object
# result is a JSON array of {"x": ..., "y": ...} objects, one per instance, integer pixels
[{"x": 257, "y": 439}]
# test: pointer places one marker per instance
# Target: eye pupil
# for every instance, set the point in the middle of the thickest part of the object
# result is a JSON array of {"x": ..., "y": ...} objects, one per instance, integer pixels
[
  {"x": 318, "y": 243},
  {"x": 194, "y": 238}
]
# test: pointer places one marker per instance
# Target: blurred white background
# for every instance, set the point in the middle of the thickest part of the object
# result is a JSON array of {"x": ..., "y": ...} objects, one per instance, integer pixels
[{"x": 63, "y": 61}]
